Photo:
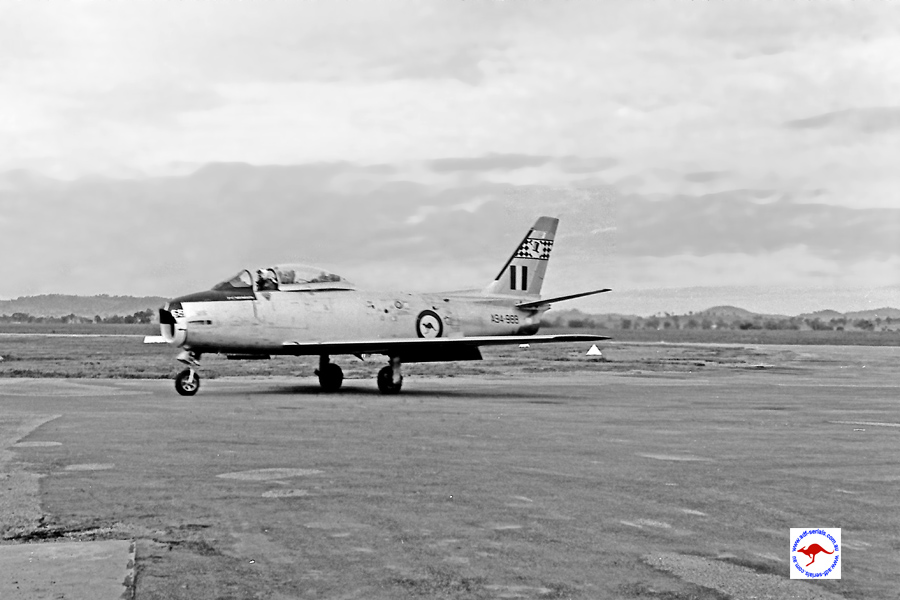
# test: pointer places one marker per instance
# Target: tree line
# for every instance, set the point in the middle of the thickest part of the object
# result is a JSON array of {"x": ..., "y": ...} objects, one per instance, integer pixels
[
  {"x": 704, "y": 322},
  {"x": 143, "y": 316}
]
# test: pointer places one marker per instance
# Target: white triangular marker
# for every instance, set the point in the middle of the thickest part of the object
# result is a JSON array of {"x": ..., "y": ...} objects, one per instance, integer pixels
[{"x": 594, "y": 351}]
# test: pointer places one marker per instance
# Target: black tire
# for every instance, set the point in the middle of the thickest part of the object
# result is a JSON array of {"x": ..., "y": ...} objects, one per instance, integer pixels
[
  {"x": 386, "y": 383},
  {"x": 185, "y": 385},
  {"x": 331, "y": 377}
]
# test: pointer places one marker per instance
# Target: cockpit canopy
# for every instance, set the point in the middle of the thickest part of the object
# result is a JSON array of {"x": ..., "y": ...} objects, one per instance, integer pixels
[{"x": 285, "y": 278}]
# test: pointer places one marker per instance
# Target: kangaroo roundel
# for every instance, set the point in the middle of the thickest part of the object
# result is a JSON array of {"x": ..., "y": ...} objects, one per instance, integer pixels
[{"x": 429, "y": 325}]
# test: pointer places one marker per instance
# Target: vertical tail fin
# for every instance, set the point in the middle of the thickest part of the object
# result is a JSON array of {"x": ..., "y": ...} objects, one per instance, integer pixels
[{"x": 523, "y": 273}]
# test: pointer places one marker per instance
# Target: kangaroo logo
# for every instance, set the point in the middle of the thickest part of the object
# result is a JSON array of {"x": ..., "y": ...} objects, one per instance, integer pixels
[
  {"x": 429, "y": 325},
  {"x": 806, "y": 547},
  {"x": 535, "y": 248},
  {"x": 811, "y": 551}
]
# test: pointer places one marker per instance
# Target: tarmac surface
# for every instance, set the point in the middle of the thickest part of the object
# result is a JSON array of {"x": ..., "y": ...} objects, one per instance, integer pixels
[{"x": 543, "y": 485}]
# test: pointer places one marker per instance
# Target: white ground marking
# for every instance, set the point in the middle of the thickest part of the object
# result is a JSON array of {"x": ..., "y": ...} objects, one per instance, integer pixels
[
  {"x": 285, "y": 494},
  {"x": 689, "y": 511},
  {"x": 517, "y": 591},
  {"x": 520, "y": 502},
  {"x": 268, "y": 474},
  {"x": 855, "y": 544},
  {"x": 641, "y": 523},
  {"x": 91, "y": 467},
  {"x": 652, "y": 523},
  {"x": 506, "y": 527},
  {"x": 739, "y": 583},
  {"x": 872, "y": 423},
  {"x": 36, "y": 444},
  {"x": 685, "y": 458}
]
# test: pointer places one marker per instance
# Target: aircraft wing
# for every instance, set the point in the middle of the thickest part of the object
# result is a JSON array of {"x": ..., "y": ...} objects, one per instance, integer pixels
[{"x": 428, "y": 349}]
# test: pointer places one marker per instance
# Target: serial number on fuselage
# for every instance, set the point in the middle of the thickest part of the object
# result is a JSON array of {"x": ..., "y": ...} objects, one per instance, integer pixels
[{"x": 508, "y": 319}]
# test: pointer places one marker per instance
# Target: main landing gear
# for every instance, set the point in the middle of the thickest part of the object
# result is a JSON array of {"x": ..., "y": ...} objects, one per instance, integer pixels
[
  {"x": 187, "y": 383},
  {"x": 390, "y": 379},
  {"x": 330, "y": 375}
]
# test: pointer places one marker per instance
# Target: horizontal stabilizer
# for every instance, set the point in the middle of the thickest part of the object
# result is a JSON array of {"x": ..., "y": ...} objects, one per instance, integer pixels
[{"x": 547, "y": 301}]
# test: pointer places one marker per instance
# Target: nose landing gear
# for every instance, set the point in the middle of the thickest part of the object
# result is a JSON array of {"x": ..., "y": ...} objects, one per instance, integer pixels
[{"x": 187, "y": 383}]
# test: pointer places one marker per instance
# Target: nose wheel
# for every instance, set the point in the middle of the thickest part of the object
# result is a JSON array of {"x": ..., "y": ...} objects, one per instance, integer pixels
[{"x": 187, "y": 383}]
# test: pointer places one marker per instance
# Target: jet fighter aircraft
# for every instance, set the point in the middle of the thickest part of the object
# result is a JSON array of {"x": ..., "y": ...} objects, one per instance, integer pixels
[{"x": 294, "y": 309}]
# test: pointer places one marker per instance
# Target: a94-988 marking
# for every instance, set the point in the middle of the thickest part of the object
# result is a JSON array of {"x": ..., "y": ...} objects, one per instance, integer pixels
[{"x": 508, "y": 319}]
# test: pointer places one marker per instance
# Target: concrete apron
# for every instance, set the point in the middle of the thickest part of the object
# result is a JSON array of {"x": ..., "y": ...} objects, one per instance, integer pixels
[{"x": 101, "y": 570}]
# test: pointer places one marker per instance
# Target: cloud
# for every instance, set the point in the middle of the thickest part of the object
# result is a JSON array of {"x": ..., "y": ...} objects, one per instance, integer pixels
[
  {"x": 865, "y": 120},
  {"x": 488, "y": 162},
  {"x": 145, "y": 102},
  {"x": 578, "y": 164},
  {"x": 705, "y": 176},
  {"x": 462, "y": 64},
  {"x": 734, "y": 223}
]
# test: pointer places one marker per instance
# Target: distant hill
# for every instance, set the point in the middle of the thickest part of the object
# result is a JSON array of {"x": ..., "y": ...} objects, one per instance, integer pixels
[
  {"x": 731, "y": 317},
  {"x": 726, "y": 312},
  {"x": 60, "y": 305},
  {"x": 823, "y": 314},
  {"x": 876, "y": 313}
]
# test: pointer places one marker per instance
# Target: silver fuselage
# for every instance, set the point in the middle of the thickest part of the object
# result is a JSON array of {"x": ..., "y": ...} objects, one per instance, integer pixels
[{"x": 271, "y": 322}]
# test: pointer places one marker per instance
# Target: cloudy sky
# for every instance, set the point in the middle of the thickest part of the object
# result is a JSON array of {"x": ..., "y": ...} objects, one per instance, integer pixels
[{"x": 698, "y": 153}]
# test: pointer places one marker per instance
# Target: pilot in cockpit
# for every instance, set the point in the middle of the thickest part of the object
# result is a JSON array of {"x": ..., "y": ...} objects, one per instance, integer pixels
[{"x": 265, "y": 281}]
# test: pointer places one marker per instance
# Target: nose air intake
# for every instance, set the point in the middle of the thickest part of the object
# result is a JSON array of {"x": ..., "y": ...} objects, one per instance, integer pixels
[{"x": 172, "y": 324}]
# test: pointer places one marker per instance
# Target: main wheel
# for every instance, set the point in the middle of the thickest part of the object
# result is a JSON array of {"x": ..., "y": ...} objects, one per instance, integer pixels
[
  {"x": 330, "y": 377},
  {"x": 187, "y": 383},
  {"x": 386, "y": 383}
]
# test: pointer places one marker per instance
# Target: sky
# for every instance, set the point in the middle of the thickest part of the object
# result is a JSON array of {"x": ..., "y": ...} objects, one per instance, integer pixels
[{"x": 697, "y": 153}]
